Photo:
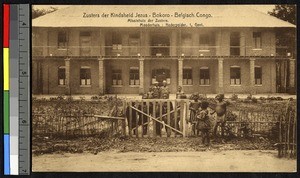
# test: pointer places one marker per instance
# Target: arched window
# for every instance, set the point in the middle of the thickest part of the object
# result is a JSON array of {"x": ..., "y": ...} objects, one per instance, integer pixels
[
  {"x": 134, "y": 76},
  {"x": 61, "y": 75},
  {"x": 204, "y": 76},
  {"x": 160, "y": 75},
  {"x": 187, "y": 76},
  {"x": 117, "y": 77},
  {"x": 85, "y": 75},
  {"x": 235, "y": 75},
  {"x": 258, "y": 75}
]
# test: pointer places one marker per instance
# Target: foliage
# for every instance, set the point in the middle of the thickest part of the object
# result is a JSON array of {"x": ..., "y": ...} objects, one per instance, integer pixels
[
  {"x": 35, "y": 13},
  {"x": 285, "y": 12},
  {"x": 234, "y": 97},
  {"x": 286, "y": 37}
]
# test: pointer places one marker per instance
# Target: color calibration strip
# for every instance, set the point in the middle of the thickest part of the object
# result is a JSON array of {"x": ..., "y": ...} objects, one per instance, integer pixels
[
  {"x": 6, "y": 88},
  {"x": 16, "y": 63}
]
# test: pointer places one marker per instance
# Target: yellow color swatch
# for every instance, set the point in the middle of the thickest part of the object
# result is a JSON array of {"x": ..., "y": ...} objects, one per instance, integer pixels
[{"x": 6, "y": 68}]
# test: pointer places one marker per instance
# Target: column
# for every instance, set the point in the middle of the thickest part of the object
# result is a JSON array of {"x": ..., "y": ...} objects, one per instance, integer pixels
[
  {"x": 218, "y": 42},
  {"x": 102, "y": 42},
  {"x": 141, "y": 88},
  {"x": 67, "y": 65},
  {"x": 173, "y": 43},
  {"x": 292, "y": 76},
  {"x": 45, "y": 42},
  {"x": 220, "y": 75},
  {"x": 252, "y": 76},
  {"x": 101, "y": 76},
  {"x": 180, "y": 71}
]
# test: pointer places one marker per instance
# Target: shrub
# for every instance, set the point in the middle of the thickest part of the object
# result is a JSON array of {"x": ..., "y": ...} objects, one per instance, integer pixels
[
  {"x": 254, "y": 100},
  {"x": 279, "y": 98},
  {"x": 94, "y": 98},
  {"x": 262, "y": 98},
  {"x": 234, "y": 97},
  {"x": 249, "y": 97},
  {"x": 202, "y": 97}
]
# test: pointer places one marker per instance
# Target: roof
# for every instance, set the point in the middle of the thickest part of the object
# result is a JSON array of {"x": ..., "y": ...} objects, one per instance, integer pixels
[{"x": 177, "y": 15}]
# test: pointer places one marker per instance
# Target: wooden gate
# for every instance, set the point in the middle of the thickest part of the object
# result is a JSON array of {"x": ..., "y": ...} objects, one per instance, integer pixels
[
  {"x": 149, "y": 116},
  {"x": 287, "y": 146}
]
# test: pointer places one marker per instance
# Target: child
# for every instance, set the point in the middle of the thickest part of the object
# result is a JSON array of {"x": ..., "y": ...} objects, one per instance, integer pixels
[
  {"x": 203, "y": 123},
  {"x": 194, "y": 106},
  {"x": 221, "y": 114}
]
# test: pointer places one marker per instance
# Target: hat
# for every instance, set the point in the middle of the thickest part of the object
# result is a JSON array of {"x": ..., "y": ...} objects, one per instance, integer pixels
[{"x": 164, "y": 81}]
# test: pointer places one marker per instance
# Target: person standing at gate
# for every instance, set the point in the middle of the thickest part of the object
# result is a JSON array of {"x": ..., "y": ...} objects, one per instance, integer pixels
[
  {"x": 165, "y": 90},
  {"x": 203, "y": 123},
  {"x": 180, "y": 94},
  {"x": 221, "y": 114},
  {"x": 156, "y": 90},
  {"x": 194, "y": 106}
]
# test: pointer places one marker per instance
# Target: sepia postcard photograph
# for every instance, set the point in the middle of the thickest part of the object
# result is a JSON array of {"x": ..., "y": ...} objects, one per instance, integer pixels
[{"x": 164, "y": 88}]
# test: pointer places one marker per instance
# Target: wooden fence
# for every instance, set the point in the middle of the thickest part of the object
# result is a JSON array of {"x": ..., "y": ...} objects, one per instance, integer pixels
[
  {"x": 159, "y": 117},
  {"x": 75, "y": 125},
  {"x": 287, "y": 146},
  {"x": 153, "y": 113}
]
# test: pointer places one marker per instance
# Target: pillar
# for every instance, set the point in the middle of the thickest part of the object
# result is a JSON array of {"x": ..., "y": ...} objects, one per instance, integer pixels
[
  {"x": 141, "y": 70},
  {"x": 101, "y": 76},
  {"x": 45, "y": 42},
  {"x": 220, "y": 75},
  {"x": 252, "y": 76},
  {"x": 67, "y": 70},
  {"x": 218, "y": 42},
  {"x": 292, "y": 76},
  {"x": 242, "y": 43},
  {"x": 102, "y": 42},
  {"x": 173, "y": 43},
  {"x": 180, "y": 71}
]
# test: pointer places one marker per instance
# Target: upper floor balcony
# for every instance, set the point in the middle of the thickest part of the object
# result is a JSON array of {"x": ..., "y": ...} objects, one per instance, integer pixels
[{"x": 157, "y": 51}]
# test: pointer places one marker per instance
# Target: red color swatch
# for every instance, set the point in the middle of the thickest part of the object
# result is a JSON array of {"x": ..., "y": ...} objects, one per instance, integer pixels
[{"x": 5, "y": 25}]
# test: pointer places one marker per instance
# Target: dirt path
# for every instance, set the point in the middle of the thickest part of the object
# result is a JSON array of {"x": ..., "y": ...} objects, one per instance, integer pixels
[{"x": 207, "y": 161}]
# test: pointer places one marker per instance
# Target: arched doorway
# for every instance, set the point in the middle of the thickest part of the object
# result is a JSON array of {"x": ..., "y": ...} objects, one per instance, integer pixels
[{"x": 160, "y": 75}]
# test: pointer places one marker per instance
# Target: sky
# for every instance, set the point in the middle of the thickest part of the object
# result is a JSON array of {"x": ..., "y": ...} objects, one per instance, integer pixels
[{"x": 262, "y": 8}]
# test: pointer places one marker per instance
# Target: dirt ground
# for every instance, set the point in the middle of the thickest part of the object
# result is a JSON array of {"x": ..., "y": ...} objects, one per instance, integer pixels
[{"x": 206, "y": 161}]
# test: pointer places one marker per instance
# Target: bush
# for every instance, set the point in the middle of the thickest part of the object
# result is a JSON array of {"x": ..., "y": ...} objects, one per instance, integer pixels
[
  {"x": 249, "y": 97},
  {"x": 202, "y": 97},
  {"x": 262, "y": 98},
  {"x": 254, "y": 100},
  {"x": 279, "y": 98},
  {"x": 94, "y": 98},
  {"x": 234, "y": 97}
]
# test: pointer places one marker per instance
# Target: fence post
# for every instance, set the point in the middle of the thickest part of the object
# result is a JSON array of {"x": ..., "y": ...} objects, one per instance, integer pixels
[
  {"x": 148, "y": 119},
  {"x": 137, "y": 104},
  {"x": 175, "y": 115},
  {"x": 130, "y": 118},
  {"x": 160, "y": 117},
  {"x": 142, "y": 118},
  {"x": 154, "y": 122},
  {"x": 168, "y": 119},
  {"x": 295, "y": 135},
  {"x": 187, "y": 109},
  {"x": 182, "y": 118},
  {"x": 124, "y": 121}
]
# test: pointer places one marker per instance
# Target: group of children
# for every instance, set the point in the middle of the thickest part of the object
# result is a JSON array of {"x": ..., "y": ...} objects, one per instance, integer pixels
[
  {"x": 157, "y": 91},
  {"x": 201, "y": 118}
]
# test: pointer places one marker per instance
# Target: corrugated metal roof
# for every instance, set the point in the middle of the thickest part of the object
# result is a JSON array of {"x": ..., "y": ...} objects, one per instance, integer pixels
[{"x": 221, "y": 16}]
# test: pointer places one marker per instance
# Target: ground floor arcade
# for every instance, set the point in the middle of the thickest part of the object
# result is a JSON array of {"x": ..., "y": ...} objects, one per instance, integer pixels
[{"x": 135, "y": 76}]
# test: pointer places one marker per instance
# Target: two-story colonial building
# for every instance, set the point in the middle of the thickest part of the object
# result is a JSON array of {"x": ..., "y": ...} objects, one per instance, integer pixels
[{"x": 124, "y": 49}]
